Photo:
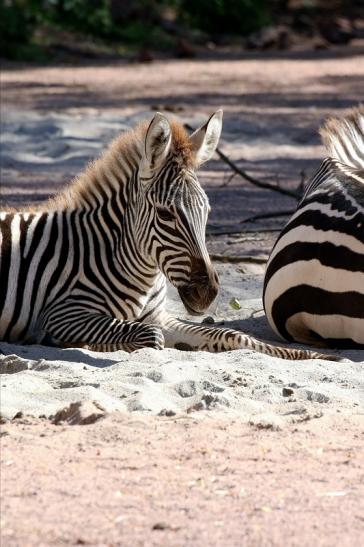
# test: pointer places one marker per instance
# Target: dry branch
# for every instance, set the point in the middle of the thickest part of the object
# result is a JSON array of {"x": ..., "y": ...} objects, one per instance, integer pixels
[
  {"x": 243, "y": 258},
  {"x": 287, "y": 212},
  {"x": 256, "y": 182},
  {"x": 242, "y": 231}
]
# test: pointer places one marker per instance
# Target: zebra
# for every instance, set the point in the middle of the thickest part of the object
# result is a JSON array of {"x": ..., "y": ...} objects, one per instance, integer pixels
[
  {"x": 314, "y": 282},
  {"x": 88, "y": 267}
]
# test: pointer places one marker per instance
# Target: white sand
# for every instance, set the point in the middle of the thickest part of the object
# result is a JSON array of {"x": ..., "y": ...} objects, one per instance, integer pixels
[{"x": 39, "y": 381}]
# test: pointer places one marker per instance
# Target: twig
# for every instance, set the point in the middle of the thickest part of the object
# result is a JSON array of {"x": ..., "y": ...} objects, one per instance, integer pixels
[
  {"x": 284, "y": 213},
  {"x": 230, "y": 178},
  {"x": 255, "y": 181},
  {"x": 241, "y": 232},
  {"x": 250, "y": 179},
  {"x": 234, "y": 259}
]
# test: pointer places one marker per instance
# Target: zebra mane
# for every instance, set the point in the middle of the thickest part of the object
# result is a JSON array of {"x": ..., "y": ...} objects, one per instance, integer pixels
[
  {"x": 122, "y": 155},
  {"x": 343, "y": 138}
]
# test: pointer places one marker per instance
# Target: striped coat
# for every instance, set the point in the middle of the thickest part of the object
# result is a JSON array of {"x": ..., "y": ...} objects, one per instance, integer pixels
[{"x": 314, "y": 282}]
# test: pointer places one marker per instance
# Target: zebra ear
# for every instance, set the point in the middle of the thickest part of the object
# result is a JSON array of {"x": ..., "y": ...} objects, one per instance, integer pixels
[
  {"x": 205, "y": 140},
  {"x": 157, "y": 140}
]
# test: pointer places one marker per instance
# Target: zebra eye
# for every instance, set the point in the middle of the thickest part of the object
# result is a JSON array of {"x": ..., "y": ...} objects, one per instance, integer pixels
[{"x": 165, "y": 215}]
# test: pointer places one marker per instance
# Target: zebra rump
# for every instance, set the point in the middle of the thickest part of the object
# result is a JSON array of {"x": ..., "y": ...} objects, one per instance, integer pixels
[{"x": 314, "y": 282}]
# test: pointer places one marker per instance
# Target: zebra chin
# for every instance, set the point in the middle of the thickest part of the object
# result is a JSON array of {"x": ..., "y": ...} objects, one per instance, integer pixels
[{"x": 196, "y": 299}]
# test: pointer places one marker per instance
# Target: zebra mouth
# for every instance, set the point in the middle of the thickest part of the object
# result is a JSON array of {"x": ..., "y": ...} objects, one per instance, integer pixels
[
  {"x": 186, "y": 299},
  {"x": 190, "y": 310}
]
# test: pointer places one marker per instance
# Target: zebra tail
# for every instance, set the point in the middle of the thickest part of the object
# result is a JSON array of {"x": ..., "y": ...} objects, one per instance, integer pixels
[{"x": 343, "y": 138}]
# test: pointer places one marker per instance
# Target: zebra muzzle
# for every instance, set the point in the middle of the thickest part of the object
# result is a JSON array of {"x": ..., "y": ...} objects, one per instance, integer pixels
[{"x": 200, "y": 292}]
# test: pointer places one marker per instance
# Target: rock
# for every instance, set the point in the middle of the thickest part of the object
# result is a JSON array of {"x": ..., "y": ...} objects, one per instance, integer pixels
[
  {"x": 303, "y": 23},
  {"x": 320, "y": 43},
  {"x": 160, "y": 526},
  {"x": 337, "y": 30},
  {"x": 164, "y": 526},
  {"x": 208, "y": 320},
  {"x": 145, "y": 56},
  {"x": 267, "y": 421},
  {"x": 184, "y": 50},
  {"x": 269, "y": 37},
  {"x": 166, "y": 412},
  {"x": 79, "y": 413},
  {"x": 287, "y": 391}
]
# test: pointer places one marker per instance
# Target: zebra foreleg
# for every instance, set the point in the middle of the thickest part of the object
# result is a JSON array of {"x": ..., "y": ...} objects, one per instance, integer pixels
[
  {"x": 98, "y": 332},
  {"x": 184, "y": 335}
]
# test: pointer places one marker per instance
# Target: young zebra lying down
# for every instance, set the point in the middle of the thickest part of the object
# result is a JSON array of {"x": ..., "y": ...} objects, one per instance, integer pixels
[{"x": 89, "y": 267}]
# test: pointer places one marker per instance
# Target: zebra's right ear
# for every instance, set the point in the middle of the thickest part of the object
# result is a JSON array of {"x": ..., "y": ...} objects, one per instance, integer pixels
[
  {"x": 205, "y": 140},
  {"x": 157, "y": 140}
]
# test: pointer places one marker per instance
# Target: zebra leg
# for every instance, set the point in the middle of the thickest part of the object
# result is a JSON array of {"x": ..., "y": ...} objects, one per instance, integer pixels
[
  {"x": 187, "y": 336},
  {"x": 98, "y": 332}
]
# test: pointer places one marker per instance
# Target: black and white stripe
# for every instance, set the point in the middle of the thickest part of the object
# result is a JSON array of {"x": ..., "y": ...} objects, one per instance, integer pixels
[{"x": 314, "y": 282}]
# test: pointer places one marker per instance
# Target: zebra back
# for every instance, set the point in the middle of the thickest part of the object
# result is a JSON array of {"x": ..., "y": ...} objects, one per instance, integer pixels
[{"x": 314, "y": 281}]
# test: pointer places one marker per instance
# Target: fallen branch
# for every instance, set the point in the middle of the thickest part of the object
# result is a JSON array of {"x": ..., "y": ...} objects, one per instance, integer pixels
[
  {"x": 230, "y": 178},
  {"x": 235, "y": 259},
  {"x": 284, "y": 213},
  {"x": 255, "y": 181},
  {"x": 252, "y": 180},
  {"x": 242, "y": 232}
]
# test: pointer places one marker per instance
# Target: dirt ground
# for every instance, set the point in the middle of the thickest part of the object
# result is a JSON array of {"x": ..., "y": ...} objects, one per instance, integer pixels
[
  {"x": 137, "y": 480},
  {"x": 134, "y": 480}
]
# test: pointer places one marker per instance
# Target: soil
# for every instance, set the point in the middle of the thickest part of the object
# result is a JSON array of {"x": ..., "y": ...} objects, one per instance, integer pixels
[{"x": 134, "y": 480}]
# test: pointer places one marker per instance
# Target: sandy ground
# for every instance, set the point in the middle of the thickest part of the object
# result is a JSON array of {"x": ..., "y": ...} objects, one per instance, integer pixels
[
  {"x": 172, "y": 448},
  {"x": 134, "y": 480},
  {"x": 256, "y": 388}
]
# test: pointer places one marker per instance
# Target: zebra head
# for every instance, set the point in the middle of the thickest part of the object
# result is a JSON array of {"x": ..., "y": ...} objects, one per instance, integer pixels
[{"x": 176, "y": 207}]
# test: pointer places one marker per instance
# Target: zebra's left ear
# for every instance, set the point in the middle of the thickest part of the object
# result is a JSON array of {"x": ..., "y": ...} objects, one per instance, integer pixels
[
  {"x": 157, "y": 140},
  {"x": 205, "y": 140}
]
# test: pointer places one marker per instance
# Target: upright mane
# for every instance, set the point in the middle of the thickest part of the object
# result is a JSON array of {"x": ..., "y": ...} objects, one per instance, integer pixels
[
  {"x": 343, "y": 138},
  {"x": 128, "y": 146}
]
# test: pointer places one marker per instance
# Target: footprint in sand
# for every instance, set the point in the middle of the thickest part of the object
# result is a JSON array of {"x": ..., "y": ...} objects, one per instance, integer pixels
[
  {"x": 186, "y": 389},
  {"x": 155, "y": 375},
  {"x": 12, "y": 364}
]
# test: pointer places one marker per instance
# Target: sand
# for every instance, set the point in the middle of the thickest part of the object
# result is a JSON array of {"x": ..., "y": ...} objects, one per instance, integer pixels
[
  {"x": 39, "y": 381},
  {"x": 181, "y": 448}
]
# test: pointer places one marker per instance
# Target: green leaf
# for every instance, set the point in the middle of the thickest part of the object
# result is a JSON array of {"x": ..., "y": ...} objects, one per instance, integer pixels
[{"x": 235, "y": 304}]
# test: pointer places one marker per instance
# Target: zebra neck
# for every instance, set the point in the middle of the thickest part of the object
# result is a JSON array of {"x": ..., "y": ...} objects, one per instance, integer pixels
[
  {"x": 107, "y": 184},
  {"x": 137, "y": 267}
]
